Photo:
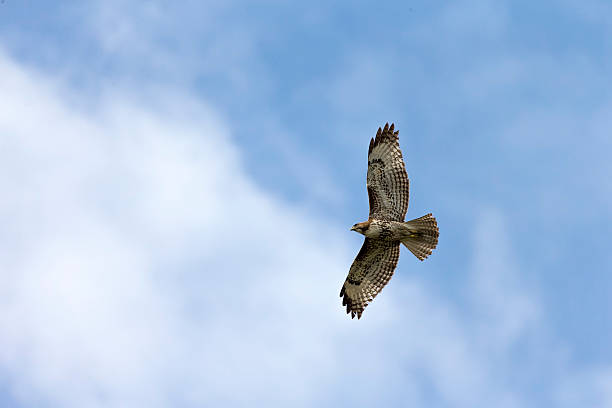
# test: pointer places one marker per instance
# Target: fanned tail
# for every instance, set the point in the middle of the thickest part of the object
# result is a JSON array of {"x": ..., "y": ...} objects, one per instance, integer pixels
[{"x": 421, "y": 236}]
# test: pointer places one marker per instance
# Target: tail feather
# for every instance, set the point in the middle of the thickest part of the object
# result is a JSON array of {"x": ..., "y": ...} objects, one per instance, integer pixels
[{"x": 421, "y": 236}]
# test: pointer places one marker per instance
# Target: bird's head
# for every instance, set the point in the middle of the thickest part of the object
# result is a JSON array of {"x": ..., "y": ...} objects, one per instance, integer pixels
[{"x": 361, "y": 227}]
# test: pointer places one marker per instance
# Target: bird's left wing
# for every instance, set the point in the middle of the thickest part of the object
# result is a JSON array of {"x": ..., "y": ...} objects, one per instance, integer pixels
[
  {"x": 387, "y": 179},
  {"x": 369, "y": 273}
]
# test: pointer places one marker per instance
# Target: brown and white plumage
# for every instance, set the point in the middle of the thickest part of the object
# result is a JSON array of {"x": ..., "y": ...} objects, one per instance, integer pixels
[
  {"x": 369, "y": 273},
  {"x": 385, "y": 229},
  {"x": 387, "y": 182}
]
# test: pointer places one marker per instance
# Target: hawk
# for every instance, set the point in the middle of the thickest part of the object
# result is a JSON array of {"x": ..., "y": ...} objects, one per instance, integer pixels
[{"x": 385, "y": 229}]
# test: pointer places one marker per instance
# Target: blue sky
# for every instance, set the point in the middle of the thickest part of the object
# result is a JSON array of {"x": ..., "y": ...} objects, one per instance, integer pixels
[{"x": 179, "y": 179}]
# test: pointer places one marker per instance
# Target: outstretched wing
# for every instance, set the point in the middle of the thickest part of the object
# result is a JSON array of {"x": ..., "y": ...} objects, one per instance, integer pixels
[
  {"x": 387, "y": 183},
  {"x": 369, "y": 273}
]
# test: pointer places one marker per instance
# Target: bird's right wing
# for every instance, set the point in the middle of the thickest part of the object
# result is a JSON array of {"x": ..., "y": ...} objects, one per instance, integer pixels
[{"x": 369, "y": 273}]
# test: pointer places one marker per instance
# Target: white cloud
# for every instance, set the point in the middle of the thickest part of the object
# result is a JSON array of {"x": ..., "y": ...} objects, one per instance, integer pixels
[{"x": 142, "y": 266}]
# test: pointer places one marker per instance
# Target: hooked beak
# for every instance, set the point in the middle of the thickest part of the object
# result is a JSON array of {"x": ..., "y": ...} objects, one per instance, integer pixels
[{"x": 353, "y": 228}]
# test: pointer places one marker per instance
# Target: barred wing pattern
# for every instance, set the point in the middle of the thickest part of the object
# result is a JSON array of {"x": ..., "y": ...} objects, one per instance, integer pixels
[
  {"x": 387, "y": 183},
  {"x": 369, "y": 273}
]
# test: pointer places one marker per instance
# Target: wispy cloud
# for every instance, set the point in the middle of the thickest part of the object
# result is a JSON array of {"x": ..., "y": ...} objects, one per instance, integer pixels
[
  {"x": 142, "y": 260},
  {"x": 142, "y": 266},
  {"x": 143, "y": 263}
]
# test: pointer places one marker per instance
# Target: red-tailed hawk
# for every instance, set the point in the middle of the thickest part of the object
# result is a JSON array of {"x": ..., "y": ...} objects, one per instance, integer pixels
[{"x": 385, "y": 228}]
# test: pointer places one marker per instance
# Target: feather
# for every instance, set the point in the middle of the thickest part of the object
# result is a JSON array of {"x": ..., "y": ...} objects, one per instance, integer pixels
[{"x": 388, "y": 195}]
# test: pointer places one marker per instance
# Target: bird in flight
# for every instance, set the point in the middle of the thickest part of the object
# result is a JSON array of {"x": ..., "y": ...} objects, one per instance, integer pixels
[{"x": 385, "y": 229}]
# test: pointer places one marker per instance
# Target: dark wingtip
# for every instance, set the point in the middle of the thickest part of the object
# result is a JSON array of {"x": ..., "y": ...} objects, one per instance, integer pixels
[
  {"x": 385, "y": 133},
  {"x": 354, "y": 311}
]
